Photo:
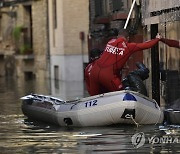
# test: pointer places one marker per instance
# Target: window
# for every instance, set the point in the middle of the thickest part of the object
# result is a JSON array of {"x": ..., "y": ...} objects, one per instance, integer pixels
[
  {"x": 27, "y": 30},
  {"x": 118, "y": 5},
  {"x": 54, "y": 19},
  {"x": 101, "y": 7},
  {"x": 54, "y": 14},
  {"x": 56, "y": 72}
]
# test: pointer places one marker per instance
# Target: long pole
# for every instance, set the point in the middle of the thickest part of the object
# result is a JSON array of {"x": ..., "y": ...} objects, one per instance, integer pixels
[{"x": 127, "y": 20}]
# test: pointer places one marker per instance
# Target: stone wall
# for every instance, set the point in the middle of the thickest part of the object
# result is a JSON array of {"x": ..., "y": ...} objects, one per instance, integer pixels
[{"x": 40, "y": 33}]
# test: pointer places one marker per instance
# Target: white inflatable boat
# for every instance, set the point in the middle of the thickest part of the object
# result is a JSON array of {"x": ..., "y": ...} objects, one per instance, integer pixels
[{"x": 126, "y": 107}]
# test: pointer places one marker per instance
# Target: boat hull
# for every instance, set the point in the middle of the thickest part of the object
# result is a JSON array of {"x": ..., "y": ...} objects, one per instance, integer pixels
[{"x": 125, "y": 107}]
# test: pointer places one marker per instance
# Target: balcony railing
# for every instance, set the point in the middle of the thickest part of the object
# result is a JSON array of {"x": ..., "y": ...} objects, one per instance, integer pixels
[{"x": 5, "y": 3}]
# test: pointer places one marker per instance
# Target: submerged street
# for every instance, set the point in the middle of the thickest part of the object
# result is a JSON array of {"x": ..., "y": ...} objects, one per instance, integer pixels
[{"x": 21, "y": 135}]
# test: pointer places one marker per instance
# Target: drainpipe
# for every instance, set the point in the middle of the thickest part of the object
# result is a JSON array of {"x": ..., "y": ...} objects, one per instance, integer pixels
[
  {"x": 82, "y": 37},
  {"x": 155, "y": 66}
]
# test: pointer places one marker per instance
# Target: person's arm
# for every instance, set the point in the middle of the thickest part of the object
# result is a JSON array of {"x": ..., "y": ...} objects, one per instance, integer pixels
[
  {"x": 141, "y": 46},
  {"x": 171, "y": 43}
]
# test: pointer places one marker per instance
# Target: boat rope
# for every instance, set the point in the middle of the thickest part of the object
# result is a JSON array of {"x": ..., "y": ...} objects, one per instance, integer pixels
[{"x": 130, "y": 116}]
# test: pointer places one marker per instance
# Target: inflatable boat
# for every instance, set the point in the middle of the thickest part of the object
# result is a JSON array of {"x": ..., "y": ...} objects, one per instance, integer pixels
[{"x": 121, "y": 107}]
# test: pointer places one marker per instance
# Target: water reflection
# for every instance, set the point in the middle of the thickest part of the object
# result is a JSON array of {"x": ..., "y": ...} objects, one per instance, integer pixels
[
  {"x": 21, "y": 135},
  {"x": 68, "y": 90}
]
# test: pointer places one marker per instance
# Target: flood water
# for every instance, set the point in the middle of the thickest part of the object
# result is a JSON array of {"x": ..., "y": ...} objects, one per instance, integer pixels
[{"x": 20, "y": 135}]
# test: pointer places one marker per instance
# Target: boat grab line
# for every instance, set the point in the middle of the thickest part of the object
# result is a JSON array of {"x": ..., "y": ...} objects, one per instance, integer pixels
[{"x": 130, "y": 116}]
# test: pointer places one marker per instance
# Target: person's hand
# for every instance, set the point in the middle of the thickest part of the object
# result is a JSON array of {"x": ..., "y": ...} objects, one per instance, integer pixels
[{"x": 158, "y": 36}]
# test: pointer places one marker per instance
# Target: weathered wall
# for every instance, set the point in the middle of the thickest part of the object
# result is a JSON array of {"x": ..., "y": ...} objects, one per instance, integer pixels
[
  {"x": 32, "y": 16},
  {"x": 40, "y": 33},
  {"x": 158, "y": 11}
]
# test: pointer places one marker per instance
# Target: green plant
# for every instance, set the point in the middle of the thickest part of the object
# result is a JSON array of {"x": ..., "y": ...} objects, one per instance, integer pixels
[{"x": 17, "y": 32}]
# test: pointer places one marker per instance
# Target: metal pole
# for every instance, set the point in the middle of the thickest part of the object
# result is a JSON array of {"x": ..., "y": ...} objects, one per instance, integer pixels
[{"x": 132, "y": 6}]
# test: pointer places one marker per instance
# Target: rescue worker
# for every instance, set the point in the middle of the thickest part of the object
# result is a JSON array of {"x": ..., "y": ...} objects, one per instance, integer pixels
[
  {"x": 94, "y": 55},
  {"x": 104, "y": 73},
  {"x": 171, "y": 43}
]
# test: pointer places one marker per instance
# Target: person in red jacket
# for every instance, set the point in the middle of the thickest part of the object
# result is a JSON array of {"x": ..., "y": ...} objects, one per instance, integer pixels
[
  {"x": 94, "y": 55},
  {"x": 105, "y": 71},
  {"x": 171, "y": 43}
]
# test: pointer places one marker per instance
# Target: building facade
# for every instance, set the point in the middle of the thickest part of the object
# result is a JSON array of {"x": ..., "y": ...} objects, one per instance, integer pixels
[
  {"x": 68, "y": 33},
  {"x": 163, "y": 16},
  {"x": 23, "y": 38},
  {"x": 44, "y": 38}
]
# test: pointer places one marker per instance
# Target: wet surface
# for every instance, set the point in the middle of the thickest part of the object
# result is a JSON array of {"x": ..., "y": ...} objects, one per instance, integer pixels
[{"x": 21, "y": 135}]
